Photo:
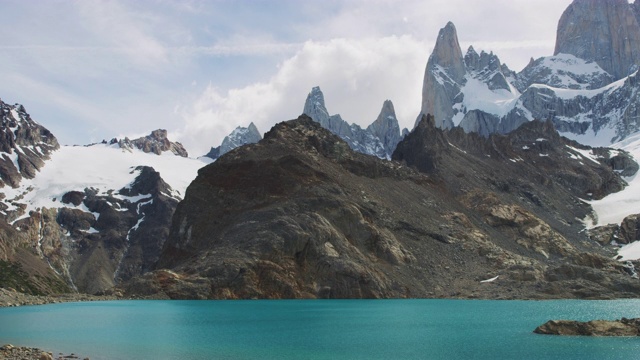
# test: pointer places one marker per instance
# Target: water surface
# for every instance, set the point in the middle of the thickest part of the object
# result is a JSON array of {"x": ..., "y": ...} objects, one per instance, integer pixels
[{"x": 316, "y": 329}]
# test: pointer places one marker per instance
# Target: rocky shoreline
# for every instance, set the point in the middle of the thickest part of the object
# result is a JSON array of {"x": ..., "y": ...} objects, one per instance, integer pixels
[
  {"x": 10, "y": 352},
  {"x": 11, "y": 298}
]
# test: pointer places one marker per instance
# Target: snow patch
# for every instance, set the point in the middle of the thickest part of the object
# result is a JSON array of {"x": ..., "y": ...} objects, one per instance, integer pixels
[
  {"x": 490, "y": 280},
  {"x": 100, "y": 167},
  {"x": 630, "y": 251},
  {"x": 613, "y": 208}
]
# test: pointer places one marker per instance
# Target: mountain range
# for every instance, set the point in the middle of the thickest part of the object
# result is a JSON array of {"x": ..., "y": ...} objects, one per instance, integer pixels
[
  {"x": 490, "y": 195},
  {"x": 588, "y": 88}
]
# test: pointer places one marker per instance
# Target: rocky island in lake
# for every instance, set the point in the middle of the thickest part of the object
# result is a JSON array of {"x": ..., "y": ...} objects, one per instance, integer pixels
[{"x": 622, "y": 327}]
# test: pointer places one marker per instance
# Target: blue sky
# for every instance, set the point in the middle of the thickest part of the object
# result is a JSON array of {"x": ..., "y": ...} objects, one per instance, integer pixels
[{"x": 93, "y": 70}]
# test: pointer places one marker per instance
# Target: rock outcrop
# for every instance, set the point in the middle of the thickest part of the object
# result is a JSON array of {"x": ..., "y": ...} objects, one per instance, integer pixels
[
  {"x": 378, "y": 139},
  {"x": 606, "y": 32},
  {"x": 301, "y": 215},
  {"x": 156, "y": 142},
  {"x": 622, "y": 327},
  {"x": 240, "y": 136}
]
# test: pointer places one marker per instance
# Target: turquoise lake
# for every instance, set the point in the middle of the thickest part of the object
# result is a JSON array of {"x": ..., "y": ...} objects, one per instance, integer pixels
[{"x": 316, "y": 329}]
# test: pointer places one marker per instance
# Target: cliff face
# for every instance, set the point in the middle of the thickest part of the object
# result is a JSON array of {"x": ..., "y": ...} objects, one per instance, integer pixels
[
  {"x": 606, "y": 32},
  {"x": 443, "y": 78},
  {"x": 299, "y": 214}
]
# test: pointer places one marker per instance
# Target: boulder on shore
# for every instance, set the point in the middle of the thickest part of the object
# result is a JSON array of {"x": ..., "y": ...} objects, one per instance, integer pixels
[{"x": 622, "y": 327}]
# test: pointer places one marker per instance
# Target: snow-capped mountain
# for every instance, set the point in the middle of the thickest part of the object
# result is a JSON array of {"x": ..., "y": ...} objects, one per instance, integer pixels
[
  {"x": 24, "y": 145},
  {"x": 91, "y": 216},
  {"x": 588, "y": 88},
  {"x": 238, "y": 137},
  {"x": 378, "y": 139}
]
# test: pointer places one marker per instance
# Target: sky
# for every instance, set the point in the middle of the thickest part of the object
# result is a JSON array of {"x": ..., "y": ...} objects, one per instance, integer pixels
[{"x": 92, "y": 70}]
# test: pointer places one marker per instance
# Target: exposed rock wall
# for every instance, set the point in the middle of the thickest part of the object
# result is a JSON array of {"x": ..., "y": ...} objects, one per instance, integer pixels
[{"x": 606, "y": 32}]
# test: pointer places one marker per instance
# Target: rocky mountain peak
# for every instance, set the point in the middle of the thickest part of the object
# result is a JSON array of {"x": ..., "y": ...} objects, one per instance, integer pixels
[
  {"x": 606, "y": 32},
  {"x": 447, "y": 53},
  {"x": 156, "y": 142},
  {"x": 443, "y": 78},
  {"x": 386, "y": 127},
  {"x": 423, "y": 147},
  {"x": 372, "y": 140},
  {"x": 487, "y": 68},
  {"x": 303, "y": 133},
  {"x": 315, "y": 107},
  {"x": 24, "y": 145},
  {"x": 238, "y": 137}
]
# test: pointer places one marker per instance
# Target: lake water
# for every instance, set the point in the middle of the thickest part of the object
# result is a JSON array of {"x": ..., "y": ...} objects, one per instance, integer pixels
[{"x": 316, "y": 329}]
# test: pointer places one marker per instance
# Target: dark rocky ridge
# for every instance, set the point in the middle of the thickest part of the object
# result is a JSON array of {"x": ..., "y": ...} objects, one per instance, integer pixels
[{"x": 300, "y": 214}]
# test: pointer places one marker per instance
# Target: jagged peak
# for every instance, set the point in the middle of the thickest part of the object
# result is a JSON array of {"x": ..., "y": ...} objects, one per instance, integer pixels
[
  {"x": 315, "y": 107},
  {"x": 448, "y": 54},
  {"x": 238, "y": 137},
  {"x": 471, "y": 50},
  {"x": 253, "y": 128},
  {"x": 386, "y": 124}
]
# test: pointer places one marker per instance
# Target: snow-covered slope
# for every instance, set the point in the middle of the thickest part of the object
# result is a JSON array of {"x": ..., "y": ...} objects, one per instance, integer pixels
[
  {"x": 614, "y": 208},
  {"x": 563, "y": 71},
  {"x": 105, "y": 168},
  {"x": 86, "y": 217}
]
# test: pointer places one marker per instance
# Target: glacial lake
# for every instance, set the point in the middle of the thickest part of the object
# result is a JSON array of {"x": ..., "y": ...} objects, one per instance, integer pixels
[{"x": 316, "y": 329}]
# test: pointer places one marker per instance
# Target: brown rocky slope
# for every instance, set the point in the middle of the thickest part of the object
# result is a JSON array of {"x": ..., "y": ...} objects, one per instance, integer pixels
[{"x": 300, "y": 215}]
